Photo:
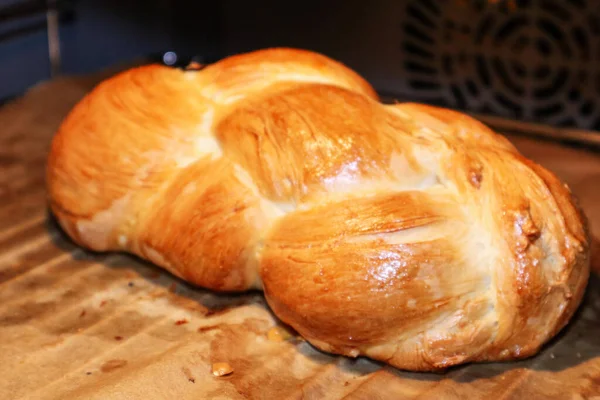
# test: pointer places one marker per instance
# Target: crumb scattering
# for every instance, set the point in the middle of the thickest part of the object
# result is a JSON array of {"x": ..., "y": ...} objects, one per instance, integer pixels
[
  {"x": 118, "y": 337},
  {"x": 82, "y": 313},
  {"x": 207, "y": 328},
  {"x": 111, "y": 365},
  {"x": 181, "y": 322},
  {"x": 221, "y": 369},
  {"x": 278, "y": 334},
  {"x": 103, "y": 303},
  {"x": 188, "y": 374}
]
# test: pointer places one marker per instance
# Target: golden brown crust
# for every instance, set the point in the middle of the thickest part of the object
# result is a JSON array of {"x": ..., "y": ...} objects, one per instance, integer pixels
[{"x": 408, "y": 233}]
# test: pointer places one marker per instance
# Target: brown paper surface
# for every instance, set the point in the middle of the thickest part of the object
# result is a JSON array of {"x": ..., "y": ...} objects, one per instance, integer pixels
[{"x": 75, "y": 325}]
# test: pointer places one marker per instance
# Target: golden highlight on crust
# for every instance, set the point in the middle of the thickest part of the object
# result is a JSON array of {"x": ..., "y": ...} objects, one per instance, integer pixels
[{"x": 408, "y": 233}]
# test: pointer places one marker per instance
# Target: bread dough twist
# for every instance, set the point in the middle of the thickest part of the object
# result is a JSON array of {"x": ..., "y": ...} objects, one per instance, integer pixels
[{"x": 410, "y": 234}]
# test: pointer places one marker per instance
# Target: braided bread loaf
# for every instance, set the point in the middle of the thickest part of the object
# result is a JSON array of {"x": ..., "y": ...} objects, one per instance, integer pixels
[{"x": 410, "y": 234}]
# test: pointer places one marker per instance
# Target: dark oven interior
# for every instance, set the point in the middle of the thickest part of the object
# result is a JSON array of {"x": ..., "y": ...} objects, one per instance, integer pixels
[{"x": 532, "y": 60}]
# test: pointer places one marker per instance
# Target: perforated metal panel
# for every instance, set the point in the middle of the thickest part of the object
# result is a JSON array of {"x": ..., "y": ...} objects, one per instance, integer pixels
[{"x": 535, "y": 60}]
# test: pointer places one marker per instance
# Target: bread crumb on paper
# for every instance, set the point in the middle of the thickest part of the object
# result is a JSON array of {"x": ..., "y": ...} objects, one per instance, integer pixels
[
  {"x": 111, "y": 365},
  {"x": 278, "y": 334},
  {"x": 221, "y": 369}
]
